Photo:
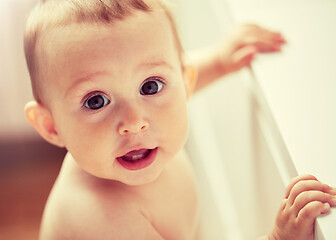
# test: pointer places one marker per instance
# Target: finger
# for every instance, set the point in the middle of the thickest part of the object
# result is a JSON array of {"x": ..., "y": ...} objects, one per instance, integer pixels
[
  {"x": 307, "y": 185},
  {"x": 332, "y": 190},
  {"x": 264, "y": 47},
  {"x": 305, "y": 198},
  {"x": 310, "y": 212},
  {"x": 263, "y": 39},
  {"x": 278, "y": 37},
  {"x": 270, "y": 35},
  {"x": 296, "y": 180},
  {"x": 253, "y": 28},
  {"x": 263, "y": 44},
  {"x": 262, "y": 33},
  {"x": 269, "y": 42}
]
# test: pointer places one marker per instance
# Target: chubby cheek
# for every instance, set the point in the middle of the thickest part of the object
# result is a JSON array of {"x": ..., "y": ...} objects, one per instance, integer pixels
[
  {"x": 86, "y": 141},
  {"x": 174, "y": 124}
]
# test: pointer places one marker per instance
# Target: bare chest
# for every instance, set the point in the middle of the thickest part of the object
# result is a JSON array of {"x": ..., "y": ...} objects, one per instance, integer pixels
[{"x": 173, "y": 204}]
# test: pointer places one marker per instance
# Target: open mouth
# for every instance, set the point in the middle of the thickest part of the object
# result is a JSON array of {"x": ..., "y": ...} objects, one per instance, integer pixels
[{"x": 138, "y": 159}]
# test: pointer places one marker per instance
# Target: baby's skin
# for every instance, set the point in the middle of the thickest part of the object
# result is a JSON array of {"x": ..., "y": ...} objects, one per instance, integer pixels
[{"x": 83, "y": 207}]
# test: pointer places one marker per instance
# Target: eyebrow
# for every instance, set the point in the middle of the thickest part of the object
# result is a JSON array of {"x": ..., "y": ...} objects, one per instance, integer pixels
[
  {"x": 85, "y": 78},
  {"x": 154, "y": 64}
]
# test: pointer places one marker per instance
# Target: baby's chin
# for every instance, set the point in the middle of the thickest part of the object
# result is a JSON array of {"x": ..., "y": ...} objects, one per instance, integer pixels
[
  {"x": 132, "y": 178},
  {"x": 140, "y": 181},
  {"x": 137, "y": 179}
]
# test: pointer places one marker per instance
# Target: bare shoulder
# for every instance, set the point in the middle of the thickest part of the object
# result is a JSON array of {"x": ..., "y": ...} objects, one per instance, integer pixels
[{"x": 102, "y": 210}]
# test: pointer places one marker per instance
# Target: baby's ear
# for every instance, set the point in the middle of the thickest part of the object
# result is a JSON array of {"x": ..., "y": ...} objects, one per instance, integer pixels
[
  {"x": 41, "y": 119},
  {"x": 190, "y": 78}
]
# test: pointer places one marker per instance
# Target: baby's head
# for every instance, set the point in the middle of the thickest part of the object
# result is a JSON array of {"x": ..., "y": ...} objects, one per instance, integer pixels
[
  {"x": 51, "y": 15},
  {"x": 109, "y": 83}
]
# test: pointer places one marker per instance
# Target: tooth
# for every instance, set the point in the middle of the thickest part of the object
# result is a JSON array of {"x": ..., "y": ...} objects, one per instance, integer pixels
[
  {"x": 130, "y": 157},
  {"x": 137, "y": 157}
]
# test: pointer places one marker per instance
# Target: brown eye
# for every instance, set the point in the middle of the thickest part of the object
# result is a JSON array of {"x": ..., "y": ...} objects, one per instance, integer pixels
[
  {"x": 96, "y": 102},
  {"x": 151, "y": 87}
]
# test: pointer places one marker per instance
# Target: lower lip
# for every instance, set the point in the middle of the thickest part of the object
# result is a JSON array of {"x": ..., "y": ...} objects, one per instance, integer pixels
[{"x": 139, "y": 164}]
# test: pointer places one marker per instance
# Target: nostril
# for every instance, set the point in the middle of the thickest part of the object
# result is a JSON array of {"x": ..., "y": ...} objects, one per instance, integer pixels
[
  {"x": 133, "y": 129},
  {"x": 145, "y": 126}
]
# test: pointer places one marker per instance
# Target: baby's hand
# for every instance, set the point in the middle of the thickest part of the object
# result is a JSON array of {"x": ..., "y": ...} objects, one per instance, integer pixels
[
  {"x": 241, "y": 45},
  {"x": 306, "y": 198}
]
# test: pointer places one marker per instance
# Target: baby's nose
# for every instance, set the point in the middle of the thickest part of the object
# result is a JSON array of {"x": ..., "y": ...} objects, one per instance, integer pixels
[
  {"x": 132, "y": 121},
  {"x": 139, "y": 126}
]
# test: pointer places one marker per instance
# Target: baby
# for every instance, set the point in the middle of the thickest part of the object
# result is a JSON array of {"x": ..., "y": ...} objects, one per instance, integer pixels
[{"x": 111, "y": 85}]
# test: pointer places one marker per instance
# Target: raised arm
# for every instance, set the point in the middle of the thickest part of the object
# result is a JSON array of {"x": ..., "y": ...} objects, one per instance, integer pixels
[{"x": 236, "y": 51}]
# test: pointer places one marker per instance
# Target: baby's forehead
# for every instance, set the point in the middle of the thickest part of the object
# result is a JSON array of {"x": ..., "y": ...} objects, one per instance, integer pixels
[
  {"x": 82, "y": 46},
  {"x": 69, "y": 35}
]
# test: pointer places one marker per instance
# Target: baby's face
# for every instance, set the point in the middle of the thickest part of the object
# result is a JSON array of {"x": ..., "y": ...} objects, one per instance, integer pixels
[{"x": 117, "y": 96}]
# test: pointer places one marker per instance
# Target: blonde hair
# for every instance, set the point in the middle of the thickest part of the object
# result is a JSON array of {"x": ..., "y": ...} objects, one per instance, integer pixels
[{"x": 54, "y": 13}]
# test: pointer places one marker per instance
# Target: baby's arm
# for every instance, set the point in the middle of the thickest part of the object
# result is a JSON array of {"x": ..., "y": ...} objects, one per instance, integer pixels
[
  {"x": 306, "y": 198},
  {"x": 235, "y": 52}
]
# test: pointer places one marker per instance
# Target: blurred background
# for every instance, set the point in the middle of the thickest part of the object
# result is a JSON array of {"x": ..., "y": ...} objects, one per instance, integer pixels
[{"x": 28, "y": 165}]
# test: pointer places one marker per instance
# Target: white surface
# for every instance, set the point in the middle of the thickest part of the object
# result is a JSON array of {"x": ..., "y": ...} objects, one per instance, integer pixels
[
  {"x": 299, "y": 85},
  {"x": 208, "y": 162}
]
